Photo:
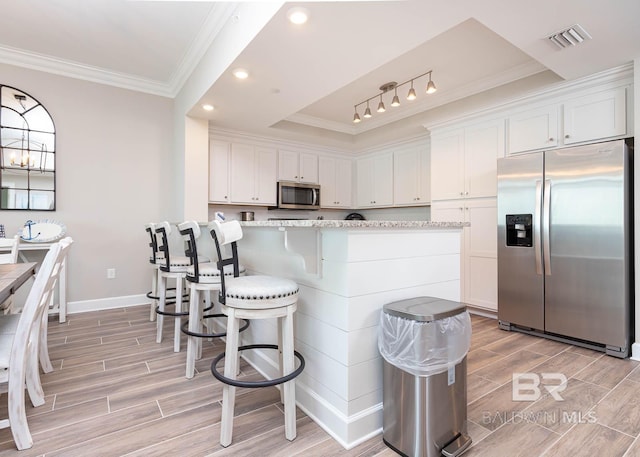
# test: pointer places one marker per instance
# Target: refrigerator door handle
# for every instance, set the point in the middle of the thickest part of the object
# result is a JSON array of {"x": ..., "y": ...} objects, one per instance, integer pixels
[
  {"x": 545, "y": 227},
  {"x": 536, "y": 228}
]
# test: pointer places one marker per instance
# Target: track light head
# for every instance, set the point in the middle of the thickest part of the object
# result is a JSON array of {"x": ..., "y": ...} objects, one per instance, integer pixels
[{"x": 412, "y": 93}]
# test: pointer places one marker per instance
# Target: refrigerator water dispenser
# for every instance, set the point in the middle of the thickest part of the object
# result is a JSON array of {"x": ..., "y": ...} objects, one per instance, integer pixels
[{"x": 519, "y": 230}]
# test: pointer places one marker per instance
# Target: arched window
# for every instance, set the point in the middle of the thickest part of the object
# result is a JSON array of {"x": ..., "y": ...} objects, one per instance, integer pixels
[{"x": 27, "y": 153}]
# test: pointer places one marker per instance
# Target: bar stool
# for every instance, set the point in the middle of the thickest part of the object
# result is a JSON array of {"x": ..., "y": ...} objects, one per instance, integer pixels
[
  {"x": 172, "y": 267},
  {"x": 254, "y": 297},
  {"x": 201, "y": 278},
  {"x": 154, "y": 259}
]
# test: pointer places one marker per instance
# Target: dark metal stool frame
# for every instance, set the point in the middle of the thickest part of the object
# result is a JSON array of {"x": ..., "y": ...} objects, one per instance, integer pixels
[
  {"x": 233, "y": 260},
  {"x": 191, "y": 251},
  {"x": 153, "y": 260},
  {"x": 166, "y": 267}
]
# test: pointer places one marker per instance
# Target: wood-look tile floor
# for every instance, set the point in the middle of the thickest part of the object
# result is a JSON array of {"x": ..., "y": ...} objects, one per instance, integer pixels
[{"x": 116, "y": 392}]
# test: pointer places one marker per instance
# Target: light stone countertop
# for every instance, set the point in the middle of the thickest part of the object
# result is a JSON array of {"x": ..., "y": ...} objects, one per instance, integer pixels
[{"x": 314, "y": 223}]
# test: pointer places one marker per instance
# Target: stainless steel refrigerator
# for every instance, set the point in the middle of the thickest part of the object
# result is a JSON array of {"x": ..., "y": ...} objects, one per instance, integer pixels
[{"x": 565, "y": 245}]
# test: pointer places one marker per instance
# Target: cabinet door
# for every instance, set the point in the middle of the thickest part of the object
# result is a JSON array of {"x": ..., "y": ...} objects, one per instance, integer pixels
[
  {"x": 364, "y": 181},
  {"x": 265, "y": 176},
  {"x": 383, "y": 180},
  {"x": 534, "y": 129},
  {"x": 242, "y": 173},
  {"x": 480, "y": 253},
  {"x": 335, "y": 182},
  {"x": 411, "y": 177},
  {"x": 595, "y": 116},
  {"x": 483, "y": 145},
  {"x": 343, "y": 183},
  {"x": 448, "y": 211},
  {"x": 219, "y": 171},
  {"x": 447, "y": 166},
  {"x": 327, "y": 179},
  {"x": 288, "y": 165},
  {"x": 308, "y": 168}
]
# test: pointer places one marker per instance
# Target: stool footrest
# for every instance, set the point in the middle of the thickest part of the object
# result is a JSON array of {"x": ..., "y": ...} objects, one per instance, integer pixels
[
  {"x": 171, "y": 313},
  {"x": 185, "y": 327},
  {"x": 251, "y": 384},
  {"x": 169, "y": 297}
]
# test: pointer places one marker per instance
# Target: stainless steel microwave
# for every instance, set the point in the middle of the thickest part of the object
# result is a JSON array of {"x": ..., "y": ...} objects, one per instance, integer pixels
[{"x": 294, "y": 195}]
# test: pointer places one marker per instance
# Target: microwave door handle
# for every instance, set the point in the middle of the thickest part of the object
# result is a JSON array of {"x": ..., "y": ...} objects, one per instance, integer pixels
[{"x": 315, "y": 197}]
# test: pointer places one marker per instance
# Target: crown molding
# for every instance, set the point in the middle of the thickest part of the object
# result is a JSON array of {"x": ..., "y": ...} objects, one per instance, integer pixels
[
  {"x": 621, "y": 75},
  {"x": 48, "y": 64},
  {"x": 213, "y": 24},
  {"x": 215, "y": 20}
]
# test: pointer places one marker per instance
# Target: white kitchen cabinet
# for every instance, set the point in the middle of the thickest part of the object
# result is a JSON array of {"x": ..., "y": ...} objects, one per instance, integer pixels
[
  {"x": 533, "y": 129},
  {"x": 595, "y": 116},
  {"x": 375, "y": 181},
  {"x": 447, "y": 165},
  {"x": 219, "y": 171},
  {"x": 334, "y": 176},
  {"x": 253, "y": 175},
  {"x": 463, "y": 161},
  {"x": 411, "y": 177},
  {"x": 297, "y": 166},
  {"x": 479, "y": 259}
]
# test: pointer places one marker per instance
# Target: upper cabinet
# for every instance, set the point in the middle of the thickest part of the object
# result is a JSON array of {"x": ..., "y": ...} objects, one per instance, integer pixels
[
  {"x": 375, "y": 181},
  {"x": 595, "y": 116},
  {"x": 219, "y": 171},
  {"x": 588, "y": 118},
  {"x": 335, "y": 182},
  {"x": 534, "y": 129},
  {"x": 297, "y": 166},
  {"x": 411, "y": 177},
  {"x": 463, "y": 161},
  {"x": 253, "y": 175}
]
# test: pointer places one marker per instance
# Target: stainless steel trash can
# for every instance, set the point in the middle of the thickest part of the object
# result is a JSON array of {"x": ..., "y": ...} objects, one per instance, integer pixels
[{"x": 424, "y": 342}]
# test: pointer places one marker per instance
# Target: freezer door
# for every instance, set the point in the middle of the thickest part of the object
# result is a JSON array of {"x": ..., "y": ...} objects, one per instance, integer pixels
[
  {"x": 520, "y": 278},
  {"x": 587, "y": 284}
]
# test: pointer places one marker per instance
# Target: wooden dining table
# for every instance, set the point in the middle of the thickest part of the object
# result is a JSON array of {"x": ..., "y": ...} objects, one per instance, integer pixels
[{"x": 13, "y": 275}]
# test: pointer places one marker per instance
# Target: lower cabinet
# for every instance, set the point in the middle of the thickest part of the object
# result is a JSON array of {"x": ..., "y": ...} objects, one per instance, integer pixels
[{"x": 479, "y": 259}]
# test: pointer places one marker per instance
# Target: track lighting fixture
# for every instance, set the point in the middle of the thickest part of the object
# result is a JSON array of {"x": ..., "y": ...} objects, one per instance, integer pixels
[{"x": 395, "y": 101}]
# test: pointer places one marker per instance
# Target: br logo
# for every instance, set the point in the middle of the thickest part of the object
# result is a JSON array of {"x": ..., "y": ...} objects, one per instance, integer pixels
[{"x": 526, "y": 386}]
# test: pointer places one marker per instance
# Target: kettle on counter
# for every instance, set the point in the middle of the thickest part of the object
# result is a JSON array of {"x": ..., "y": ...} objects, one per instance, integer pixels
[{"x": 354, "y": 217}]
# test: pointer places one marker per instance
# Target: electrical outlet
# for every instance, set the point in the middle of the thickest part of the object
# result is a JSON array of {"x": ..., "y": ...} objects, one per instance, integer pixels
[{"x": 111, "y": 273}]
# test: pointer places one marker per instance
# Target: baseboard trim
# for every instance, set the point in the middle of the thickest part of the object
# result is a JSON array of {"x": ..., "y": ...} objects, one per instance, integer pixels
[
  {"x": 83, "y": 306},
  {"x": 348, "y": 431}
]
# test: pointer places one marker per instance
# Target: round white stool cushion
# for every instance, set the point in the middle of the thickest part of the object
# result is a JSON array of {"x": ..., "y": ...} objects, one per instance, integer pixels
[{"x": 260, "y": 292}]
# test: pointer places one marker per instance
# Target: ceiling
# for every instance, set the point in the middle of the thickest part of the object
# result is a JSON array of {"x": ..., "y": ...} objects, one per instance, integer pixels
[{"x": 304, "y": 80}]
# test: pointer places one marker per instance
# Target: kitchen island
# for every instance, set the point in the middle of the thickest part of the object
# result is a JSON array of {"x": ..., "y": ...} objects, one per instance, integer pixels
[{"x": 346, "y": 270}]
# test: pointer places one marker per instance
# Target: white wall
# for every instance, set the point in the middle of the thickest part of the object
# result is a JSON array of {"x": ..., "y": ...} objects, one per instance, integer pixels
[{"x": 112, "y": 158}]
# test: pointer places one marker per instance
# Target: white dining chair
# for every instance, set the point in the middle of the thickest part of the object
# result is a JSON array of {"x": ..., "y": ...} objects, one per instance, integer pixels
[
  {"x": 19, "y": 347},
  {"x": 45, "y": 361},
  {"x": 8, "y": 254}
]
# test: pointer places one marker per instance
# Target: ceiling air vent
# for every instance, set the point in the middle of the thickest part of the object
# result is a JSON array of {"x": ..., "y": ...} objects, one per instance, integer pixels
[{"x": 571, "y": 36}]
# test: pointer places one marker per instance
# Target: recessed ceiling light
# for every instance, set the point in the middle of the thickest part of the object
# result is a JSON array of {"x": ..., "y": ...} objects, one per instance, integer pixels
[
  {"x": 298, "y": 15},
  {"x": 240, "y": 73},
  {"x": 207, "y": 107}
]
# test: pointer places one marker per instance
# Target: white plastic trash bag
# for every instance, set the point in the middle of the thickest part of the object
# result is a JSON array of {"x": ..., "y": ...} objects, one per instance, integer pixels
[{"x": 424, "y": 348}]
